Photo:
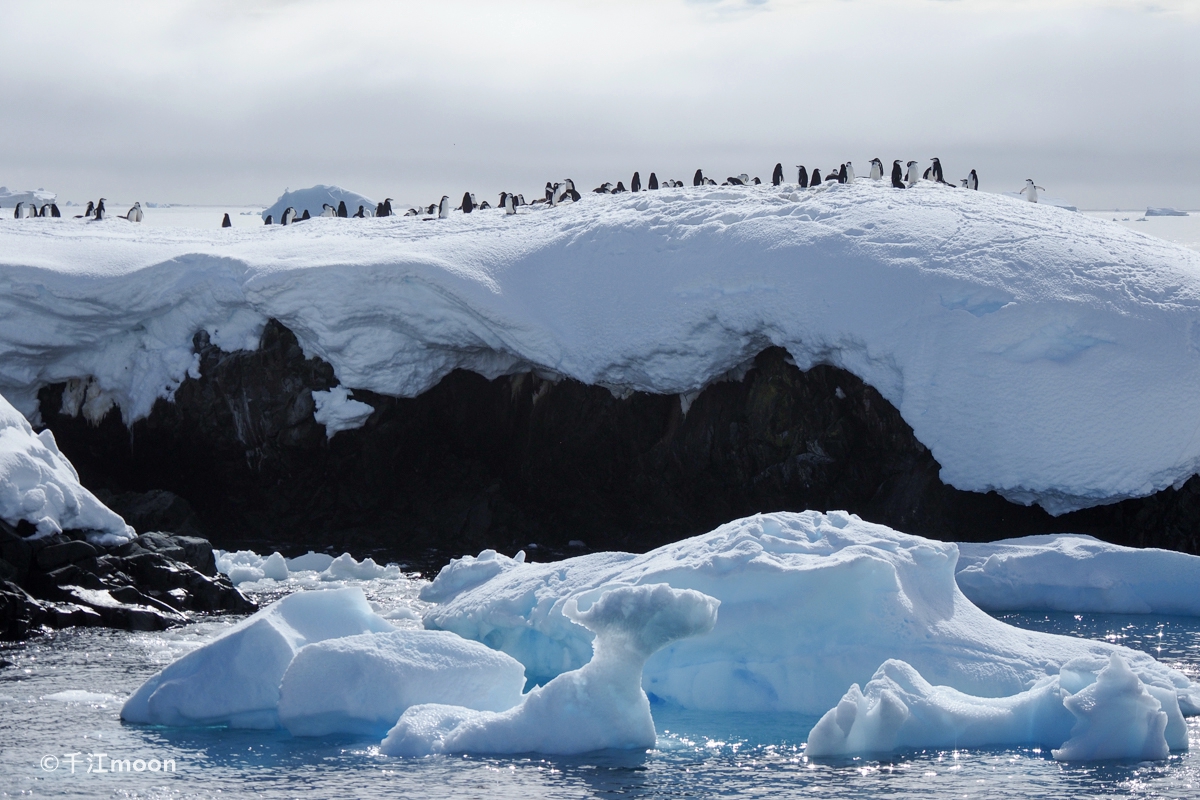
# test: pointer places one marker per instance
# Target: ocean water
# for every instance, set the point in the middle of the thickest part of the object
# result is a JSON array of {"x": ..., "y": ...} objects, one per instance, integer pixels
[{"x": 60, "y": 699}]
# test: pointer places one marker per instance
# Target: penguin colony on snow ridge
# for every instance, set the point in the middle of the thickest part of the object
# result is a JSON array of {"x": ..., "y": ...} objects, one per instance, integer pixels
[{"x": 903, "y": 176}]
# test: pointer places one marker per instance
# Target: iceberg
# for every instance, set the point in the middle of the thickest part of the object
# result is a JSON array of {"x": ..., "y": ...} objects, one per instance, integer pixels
[
  {"x": 1114, "y": 716},
  {"x": 313, "y": 200},
  {"x": 1165, "y": 212},
  {"x": 809, "y": 603},
  {"x": 234, "y": 679},
  {"x": 362, "y": 684},
  {"x": 1076, "y": 573},
  {"x": 995, "y": 326},
  {"x": 40, "y": 486},
  {"x": 601, "y": 705}
]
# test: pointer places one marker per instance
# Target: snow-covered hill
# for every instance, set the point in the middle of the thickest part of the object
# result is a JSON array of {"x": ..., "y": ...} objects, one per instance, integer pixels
[{"x": 1048, "y": 355}]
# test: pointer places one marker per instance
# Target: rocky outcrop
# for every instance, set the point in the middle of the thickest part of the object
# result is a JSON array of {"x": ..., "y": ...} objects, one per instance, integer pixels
[
  {"x": 523, "y": 459},
  {"x": 150, "y": 583}
]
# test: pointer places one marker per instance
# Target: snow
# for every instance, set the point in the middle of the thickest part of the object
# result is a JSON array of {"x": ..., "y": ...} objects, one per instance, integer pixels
[
  {"x": 362, "y": 684},
  {"x": 1165, "y": 212},
  {"x": 809, "y": 603},
  {"x": 39, "y": 485},
  {"x": 598, "y": 706},
  {"x": 338, "y": 412},
  {"x": 1071, "y": 572},
  {"x": 314, "y": 199},
  {"x": 246, "y": 566},
  {"x": 1113, "y": 716},
  {"x": 234, "y": 680},
  {"x": 1053, "y": 357}
]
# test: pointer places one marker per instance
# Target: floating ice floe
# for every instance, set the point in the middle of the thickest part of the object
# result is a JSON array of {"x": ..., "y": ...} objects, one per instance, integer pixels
[
  {"x": 246, "y": 566},
  {"x": 1071, "y": 572},
  {"x": 601, "y": 705},
  {"x": 1088, "y": 712},
  {"x": 39, "y": 485},
  {"x": 810, "y": 602},
  {"x": 1049, "y": 356}
]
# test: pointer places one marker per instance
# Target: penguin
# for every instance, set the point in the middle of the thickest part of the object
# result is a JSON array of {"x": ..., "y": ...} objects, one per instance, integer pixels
[
  {"x": 485, "y": 205},
  {"x": 226, "y": 222},
  {"x": 569, "y": 185},
  {"x": 733, "y": 181},
  {"x": 412, "y": 212},
  {"x": 802, "y": 176},
  {"x": 135, "y": 214},
  {"x": 876, "y": 169},
  {"x": 44, "y": 211},
  {"x": 467, "y": 204},
  {"x": 17, "y": 211},
  {"x": 270, "y": 220},
  {"x": 341, "y": 209},
  {"x": 1032, "y": 189},
  {"x": 962, "y": 182},
  {"x": 444, "y": 207},
  {"x": 306, "y": 216},
  {"x": 289, "y": 216},
  {"x": 897, "y": 175},
  {"x": 757, "y": 181},
  {"x": 379, "y": 209},
  {"x": 652, "y": 184},
  {"x": 927, "y": 175},
  {"x": 635, "y": 183},
  {"x": 777, "y": 175},
  {"x": 842, "y": 175},
  {"x": 604, "y": 188},
  {"x": 100, "y": 208},
  {"x": 328, "y": 210},
  {"x": 698, "y": 178},
  {"x": 510, "y": 205},
  {"x": 91, "y": 209},
  {"x": 362, "y": 213},
  {"x": 816, "y": 177},
  {"x": 912, "y": 176},
  {"x": 745, "y": 179},
  {"x": 620, "y": 188},
  {"x": 973, "y": 181},
  {"x": 849, "y": 172},
  {"x": 54, "y": 212},
  {"x": 503, "y": 200},
  {"x": 549, "y": 192},
  {"x": 387, "y": 207},
  {"x": 521, "y": 200},
  {"x": 429, "y": 209},
  {"x": 937, "y": 171}
]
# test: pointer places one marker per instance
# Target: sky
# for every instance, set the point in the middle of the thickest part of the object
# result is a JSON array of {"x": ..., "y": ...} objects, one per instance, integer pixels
[{"x": 224, "y": 102}]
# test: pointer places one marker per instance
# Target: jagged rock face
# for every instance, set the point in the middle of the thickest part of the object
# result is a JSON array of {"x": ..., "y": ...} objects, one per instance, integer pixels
[{"x": 475, "y": 463}]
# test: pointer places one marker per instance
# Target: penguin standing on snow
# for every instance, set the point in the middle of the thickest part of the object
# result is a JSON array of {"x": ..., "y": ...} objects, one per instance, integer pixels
[
  {"x": 328, "y": 210},
  {"x": 468, "y": 203},
  {"x": 843, "y": 174},
  {"x": 17, "y": 211},
  {"x": 777, "y": 175},
  {"x": 569, "y": 187},
  {"x": 802, "y": 178},
  {"x": 876, "y": 169},
  {"x": 289, "y": 216},
  {"x": 973, "y": 181},
  {"x": 99, "y": 210},
  {"x": 652, "y": 184},
  {"x": 510, "y": 205},
  {"x": 897, "y": 175},
  {"x": 635, "y": 183},
  {"x": 54, "y": 212},
  {"x": 444, "y": 207},
  {"x": 226, "y": 222},
  {"x": 913, "y": 174},
  {"x": 849, "y": 173},
  {"x": 1031, "y": 190},
  {"x": 341, "y": 209},
  {"x": 937, "y": 171},
  {"x": 270, "y": 220},
  {"x": 91, "y": 209},
  {"x": 362, "y": 213},
  {"x": 305, "y": 216},
  {"x": 816, "y": 177},
  {"x": 698, "y": 178},
  {"x": 135, "y": 214}
]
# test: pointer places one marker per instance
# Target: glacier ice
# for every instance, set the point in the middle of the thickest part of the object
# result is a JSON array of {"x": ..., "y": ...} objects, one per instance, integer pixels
[
  {"x": 1006, "y": 333},
  {"x": 598, "y": 706}
]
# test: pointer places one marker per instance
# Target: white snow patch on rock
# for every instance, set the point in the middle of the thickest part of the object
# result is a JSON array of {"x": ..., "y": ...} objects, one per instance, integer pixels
[
  {"x": 39, "y": 485},
  {"x": 338, "y": 412}
]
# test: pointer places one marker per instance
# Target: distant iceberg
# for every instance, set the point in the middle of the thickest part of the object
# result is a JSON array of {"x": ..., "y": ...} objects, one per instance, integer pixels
[
  {"x": 10, "y": 197},
  {"x": 314, "y": 198},
  {"x": 1165, "y": 212}
]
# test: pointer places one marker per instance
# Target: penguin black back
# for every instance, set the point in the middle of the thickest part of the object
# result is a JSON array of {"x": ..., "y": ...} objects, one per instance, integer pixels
[
  {"x": 362, "y": 213},
  {"x": 698, "y": 178},
  {"x": 802, "y": 177},
  {"x": 54, "y": 212},
  {"x": 635, "y": 183},
  {"x": 306, "y": 215},
  {"x": 652, "y": 184},
  {"x": 972, "y": 180},
  {"x": 270, "y": 220},
  {"x": 777, "y": 175},
  {"x": 897, "y": 175},
  {"x": 226, "y": 222},
  {"x": 816, "y": 177},
  {"x": 467, "y": 205},
  {"x": 341, "y": 212},
  {"x": 842, "y": 174}
]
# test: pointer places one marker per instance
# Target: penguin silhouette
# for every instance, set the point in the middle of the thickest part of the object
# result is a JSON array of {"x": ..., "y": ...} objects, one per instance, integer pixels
[
  {"x": 226, "y": 222},
  {"x": 652, "y": 184},
  {"x": 635, "y": 183},
  {"x": 698, "y": 178},
  {"x": 802, "y": 177}
]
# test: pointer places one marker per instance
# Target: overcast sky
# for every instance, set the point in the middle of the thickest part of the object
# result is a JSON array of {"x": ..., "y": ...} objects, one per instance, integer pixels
[{"x": 232, "y": 102}]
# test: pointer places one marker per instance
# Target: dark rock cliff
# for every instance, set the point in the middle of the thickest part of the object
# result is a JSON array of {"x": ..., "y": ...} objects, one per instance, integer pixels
[{"x": 474, "y": 463}]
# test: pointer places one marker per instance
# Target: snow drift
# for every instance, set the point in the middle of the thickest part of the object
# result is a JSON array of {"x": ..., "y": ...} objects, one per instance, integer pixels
[
  {"x": 1051, "y": 356},
  {"x": 599, "y": 706},
  {"x": 39, "y": 485},
  {"x": 1071, "y": 572},
  {"x": 809, "y": 603}
]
